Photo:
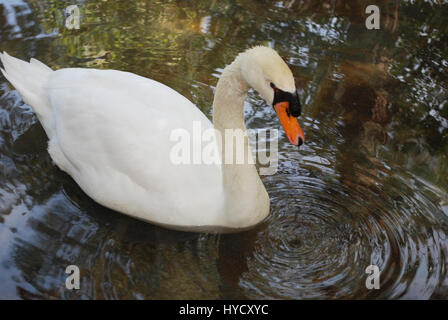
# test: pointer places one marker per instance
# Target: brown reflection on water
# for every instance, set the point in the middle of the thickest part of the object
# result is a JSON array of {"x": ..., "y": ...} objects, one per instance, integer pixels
[{"x": 369, "y": 187}]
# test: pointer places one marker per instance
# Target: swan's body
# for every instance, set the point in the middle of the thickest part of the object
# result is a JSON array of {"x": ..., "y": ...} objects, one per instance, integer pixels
[{"x": 110, "y": 130}]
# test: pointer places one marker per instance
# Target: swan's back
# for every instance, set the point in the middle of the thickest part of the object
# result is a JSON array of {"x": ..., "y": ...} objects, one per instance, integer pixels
[{"x": 110, "y": 130}]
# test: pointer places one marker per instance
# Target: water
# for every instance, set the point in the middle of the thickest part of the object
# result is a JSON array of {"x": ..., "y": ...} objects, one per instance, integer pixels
[{"x": 368, "y": 187}]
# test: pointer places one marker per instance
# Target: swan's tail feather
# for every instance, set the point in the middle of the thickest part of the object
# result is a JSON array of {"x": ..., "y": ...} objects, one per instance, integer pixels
[{"x": 30, "y": 78}]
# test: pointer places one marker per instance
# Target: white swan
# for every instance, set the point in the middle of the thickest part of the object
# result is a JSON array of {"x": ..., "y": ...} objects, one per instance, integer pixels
[{"x": 110, "y": 130}]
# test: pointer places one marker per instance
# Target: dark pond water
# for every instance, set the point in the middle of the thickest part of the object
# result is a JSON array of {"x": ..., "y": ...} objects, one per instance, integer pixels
[{"x": 369, "y": 187}]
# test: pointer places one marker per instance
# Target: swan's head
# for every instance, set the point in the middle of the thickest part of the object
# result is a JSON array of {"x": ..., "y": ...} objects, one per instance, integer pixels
[{"x": 265, "y": 71}]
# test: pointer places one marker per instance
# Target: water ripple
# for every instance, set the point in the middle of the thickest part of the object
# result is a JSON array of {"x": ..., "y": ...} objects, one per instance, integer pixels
[{"x": 321, "y": 238}]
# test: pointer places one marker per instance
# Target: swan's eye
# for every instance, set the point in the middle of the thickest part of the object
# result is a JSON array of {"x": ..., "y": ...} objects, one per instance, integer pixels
[{"x": 273, "y": 86}]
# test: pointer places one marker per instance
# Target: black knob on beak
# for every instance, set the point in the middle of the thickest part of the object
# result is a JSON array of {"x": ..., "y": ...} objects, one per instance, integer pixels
[{"x": 296, "y": 107}]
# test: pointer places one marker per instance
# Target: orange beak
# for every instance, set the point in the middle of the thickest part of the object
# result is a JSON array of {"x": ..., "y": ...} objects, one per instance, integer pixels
[{"x": 289, "y": 123}]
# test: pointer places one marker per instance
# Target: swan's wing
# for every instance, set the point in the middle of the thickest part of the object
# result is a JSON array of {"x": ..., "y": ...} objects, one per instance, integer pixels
[{"x": 112, "y": 135}]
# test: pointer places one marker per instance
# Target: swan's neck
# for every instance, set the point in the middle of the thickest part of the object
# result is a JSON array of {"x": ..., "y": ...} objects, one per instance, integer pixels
[{"x": 246, "y": 199}]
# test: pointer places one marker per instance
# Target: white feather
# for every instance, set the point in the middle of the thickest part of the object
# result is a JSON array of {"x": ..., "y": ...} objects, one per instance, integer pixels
[{"x": 110, "y": 130}]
